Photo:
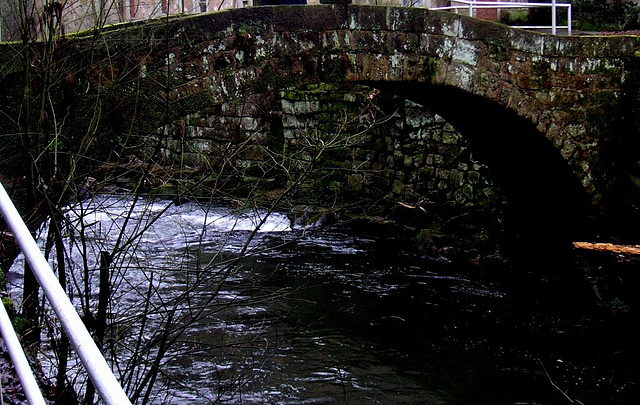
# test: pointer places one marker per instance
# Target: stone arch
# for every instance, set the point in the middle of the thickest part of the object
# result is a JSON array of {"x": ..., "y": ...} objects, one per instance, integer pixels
[{"x": 569, "y": 91}]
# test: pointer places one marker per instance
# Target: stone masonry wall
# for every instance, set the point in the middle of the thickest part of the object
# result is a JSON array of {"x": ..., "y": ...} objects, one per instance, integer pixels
[
  {"x": 365, "y": 145},
  {"x": 403, "y": 151},
  {"x": 231, "y": 130}
]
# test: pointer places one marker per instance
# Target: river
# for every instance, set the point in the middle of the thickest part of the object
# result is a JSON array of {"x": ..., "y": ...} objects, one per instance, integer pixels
[{"x": 341, "y": 314}]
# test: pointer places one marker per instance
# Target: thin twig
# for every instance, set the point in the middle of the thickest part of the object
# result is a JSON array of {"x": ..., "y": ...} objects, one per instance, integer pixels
[{"x": 573, "y": 401}]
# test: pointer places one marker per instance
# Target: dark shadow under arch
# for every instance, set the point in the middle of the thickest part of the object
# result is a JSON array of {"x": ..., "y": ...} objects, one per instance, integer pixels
[{"x": 548, "y": 205}]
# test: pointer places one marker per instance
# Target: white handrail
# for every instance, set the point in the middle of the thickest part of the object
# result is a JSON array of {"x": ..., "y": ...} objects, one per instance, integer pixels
[
  {"x": 99, "y": 371},
  {"x": 20, "y": 362},
  {"x": 473, "y": 5}
]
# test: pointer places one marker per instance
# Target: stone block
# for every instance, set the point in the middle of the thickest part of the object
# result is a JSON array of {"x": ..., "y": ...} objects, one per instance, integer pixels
[
  {"x": 390, "y": 162},
  {"x": 456, "y": 177},
  {"x": 427, "y": 172},
  {"x": 442, "y": 173},
  {"x": 473, "y": 177},
  {"x": 409, "y": 191},
  {"x": 306, "y": 107},
  {"x": 356, "y": 182},
  {"x": 397, "y": 187}
]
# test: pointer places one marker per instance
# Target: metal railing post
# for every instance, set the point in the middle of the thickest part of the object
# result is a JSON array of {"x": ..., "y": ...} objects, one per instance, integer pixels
[
  {"x": 553, "y": 17},
  {"x": 569, "y": 19},
  {"x": 99, "y": 371}
]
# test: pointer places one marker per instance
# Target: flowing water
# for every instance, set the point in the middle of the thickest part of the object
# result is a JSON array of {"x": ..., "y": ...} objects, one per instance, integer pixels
[{"x": 338, "y": 315}]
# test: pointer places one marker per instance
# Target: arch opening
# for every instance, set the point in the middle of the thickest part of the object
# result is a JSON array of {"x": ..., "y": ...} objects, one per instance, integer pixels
[{"x": 548, "y": 205}]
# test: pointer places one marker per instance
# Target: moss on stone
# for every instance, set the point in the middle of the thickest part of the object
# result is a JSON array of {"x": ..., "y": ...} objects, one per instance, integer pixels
[
  {"x": 540, "y": 67},
  {"x": 429, "y": 69}
]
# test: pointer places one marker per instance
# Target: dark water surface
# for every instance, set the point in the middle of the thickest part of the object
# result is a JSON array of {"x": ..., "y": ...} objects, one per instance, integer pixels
[
  {"x": 370, "y": 320},
  {"x": 338, "y": 315}
]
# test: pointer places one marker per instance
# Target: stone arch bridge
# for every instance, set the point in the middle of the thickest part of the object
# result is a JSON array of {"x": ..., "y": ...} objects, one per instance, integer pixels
[{"x": 554, "y": 116}]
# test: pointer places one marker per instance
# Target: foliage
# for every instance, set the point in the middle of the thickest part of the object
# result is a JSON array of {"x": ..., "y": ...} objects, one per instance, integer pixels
[
  {"x": 600, "y": 15},
  {"x": 618, "y": 305}
]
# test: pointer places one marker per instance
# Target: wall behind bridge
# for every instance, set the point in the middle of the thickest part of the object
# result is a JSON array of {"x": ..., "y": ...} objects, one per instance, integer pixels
[{"x": 376, "y": 146}]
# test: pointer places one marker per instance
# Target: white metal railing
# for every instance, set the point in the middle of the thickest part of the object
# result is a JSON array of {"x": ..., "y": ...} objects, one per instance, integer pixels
[
  {"x": 20, "y": 362},
  {"x": 473, "y": 5},
  {"x": 99, "y": 371}
]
